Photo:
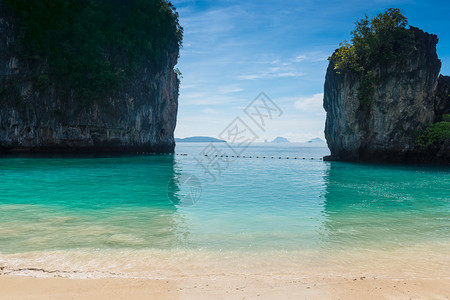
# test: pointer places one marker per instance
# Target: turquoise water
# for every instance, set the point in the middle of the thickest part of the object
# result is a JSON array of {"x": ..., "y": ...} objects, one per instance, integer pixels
[{"x": 252, "y": 205}]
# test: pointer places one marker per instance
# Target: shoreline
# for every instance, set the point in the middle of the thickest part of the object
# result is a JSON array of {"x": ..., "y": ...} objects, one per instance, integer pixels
[
  {"x": 425, "y": 260},
  {"x": 415, "y": 272}
]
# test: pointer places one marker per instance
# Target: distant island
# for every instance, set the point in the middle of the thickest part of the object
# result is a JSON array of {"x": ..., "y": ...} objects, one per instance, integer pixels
[
  {"x": 199, "y": 139},
  {"x": 316, "y": 141},
  {"x": 280, "y": 139}
]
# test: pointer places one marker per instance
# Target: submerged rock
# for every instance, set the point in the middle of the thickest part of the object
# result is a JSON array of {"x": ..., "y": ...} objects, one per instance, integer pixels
[{"x": 408, "y": 96}]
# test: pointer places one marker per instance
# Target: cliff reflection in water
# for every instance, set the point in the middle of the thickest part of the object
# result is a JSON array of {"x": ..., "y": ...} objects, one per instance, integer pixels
[{"x": 382, "y": 205}]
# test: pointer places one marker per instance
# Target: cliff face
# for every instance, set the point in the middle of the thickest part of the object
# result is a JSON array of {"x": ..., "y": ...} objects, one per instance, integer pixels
[
  {"x": 141, "y": 116},
  {"x": 407, "y": 97}
]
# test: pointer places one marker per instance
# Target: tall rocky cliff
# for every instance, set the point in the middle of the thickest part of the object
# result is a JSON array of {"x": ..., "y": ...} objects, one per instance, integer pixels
[
  {"x": 34, "y": 117},
  {"x": 408, "y": 95}
]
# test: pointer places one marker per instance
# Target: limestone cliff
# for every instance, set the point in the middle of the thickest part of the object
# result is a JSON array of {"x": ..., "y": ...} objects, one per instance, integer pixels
[
  {"x": 408, "y": 96},
  {"x": 140, "y": 116}
]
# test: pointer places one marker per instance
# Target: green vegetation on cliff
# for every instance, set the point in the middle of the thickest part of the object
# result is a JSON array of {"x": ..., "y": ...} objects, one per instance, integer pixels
[
  {"x": 435, "y": 134},
  {"x": 376, "y": 42},
  {"x": 91, "y": 46},
  {"x": 446, "y": 117}
]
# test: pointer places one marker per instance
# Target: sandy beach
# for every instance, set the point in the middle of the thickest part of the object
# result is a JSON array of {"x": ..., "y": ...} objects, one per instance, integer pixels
[
  {"x": 225, "y": 287},
  {"x": 409, "y": 273}
]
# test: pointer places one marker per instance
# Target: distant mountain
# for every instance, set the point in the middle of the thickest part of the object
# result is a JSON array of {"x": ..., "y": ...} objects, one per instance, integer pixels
[
  {"x": 316, "y": 141},
  {"x": 199, "y": 139},
  {"x": 280, "y": 140}
]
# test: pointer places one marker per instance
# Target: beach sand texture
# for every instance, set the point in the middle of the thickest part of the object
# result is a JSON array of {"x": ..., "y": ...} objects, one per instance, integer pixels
[{"x": 224, "y": 287}]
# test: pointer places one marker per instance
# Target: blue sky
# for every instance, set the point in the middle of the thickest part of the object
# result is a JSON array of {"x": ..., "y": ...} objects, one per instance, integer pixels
[{"x": 233, "y": 50}]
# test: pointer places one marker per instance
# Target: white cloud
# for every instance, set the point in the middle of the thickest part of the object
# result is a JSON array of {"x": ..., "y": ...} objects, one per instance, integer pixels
[
  {"x": 228, "y": 90},
  {"x": 226, "y": 61},
  {"x": 278, "y": 68},
  {"x": 310, "y": 104},
  {"x": 210, "y": 99},
  {"x": 195, "y": 95},
  {"x": 210, "y": 111},
  {"x": 304, "y": 57},
  {"x": 186, "y": 86},
  {"x": 250, "y": 77},
  {"x": 311, "y": 57},
  {"x": 270, "y": 74},
  {"x": 289, "y": 74},
  {"x": 300, "y": 58}
]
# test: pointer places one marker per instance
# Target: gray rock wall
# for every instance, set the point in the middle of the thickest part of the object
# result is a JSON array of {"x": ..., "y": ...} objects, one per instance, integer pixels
[{"x": 34, "y": 118}]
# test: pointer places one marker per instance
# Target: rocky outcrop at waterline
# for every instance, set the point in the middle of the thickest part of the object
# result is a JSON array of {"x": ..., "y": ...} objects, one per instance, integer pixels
[
  {"x": 37, "y": 116},
  {"x": 406, "y": 96}
]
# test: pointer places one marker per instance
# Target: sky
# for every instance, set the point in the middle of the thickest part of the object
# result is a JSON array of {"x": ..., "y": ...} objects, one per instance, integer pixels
[{"x": 234, "y": 50}]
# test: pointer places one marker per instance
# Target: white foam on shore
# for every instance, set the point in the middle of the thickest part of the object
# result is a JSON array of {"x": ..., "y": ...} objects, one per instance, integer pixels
[{"x": 424, "y": 261}]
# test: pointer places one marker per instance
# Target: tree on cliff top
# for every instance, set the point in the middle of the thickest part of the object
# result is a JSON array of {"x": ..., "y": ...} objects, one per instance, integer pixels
[{"x": 378, "y": 41}]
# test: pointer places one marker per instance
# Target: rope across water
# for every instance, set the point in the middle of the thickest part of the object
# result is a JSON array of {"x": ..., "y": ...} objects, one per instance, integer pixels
[{"x": 238, "y": 156}]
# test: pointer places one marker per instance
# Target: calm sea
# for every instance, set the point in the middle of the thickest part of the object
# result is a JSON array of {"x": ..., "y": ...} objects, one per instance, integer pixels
[{"x": 127, "y": 214}]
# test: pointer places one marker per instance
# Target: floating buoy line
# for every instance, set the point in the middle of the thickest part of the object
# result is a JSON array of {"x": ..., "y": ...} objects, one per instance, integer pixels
[
  {"x": 152, "y": 153},
  {"x": 258, "y": 156},
  {"x": 236, "y": 156}
]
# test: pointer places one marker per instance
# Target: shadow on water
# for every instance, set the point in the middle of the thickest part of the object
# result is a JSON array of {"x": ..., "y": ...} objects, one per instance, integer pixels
[
  {"x": 369, "y": 205},
  {"x": 70, "y": 203},
  {"x": 87, "y": 182}
]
